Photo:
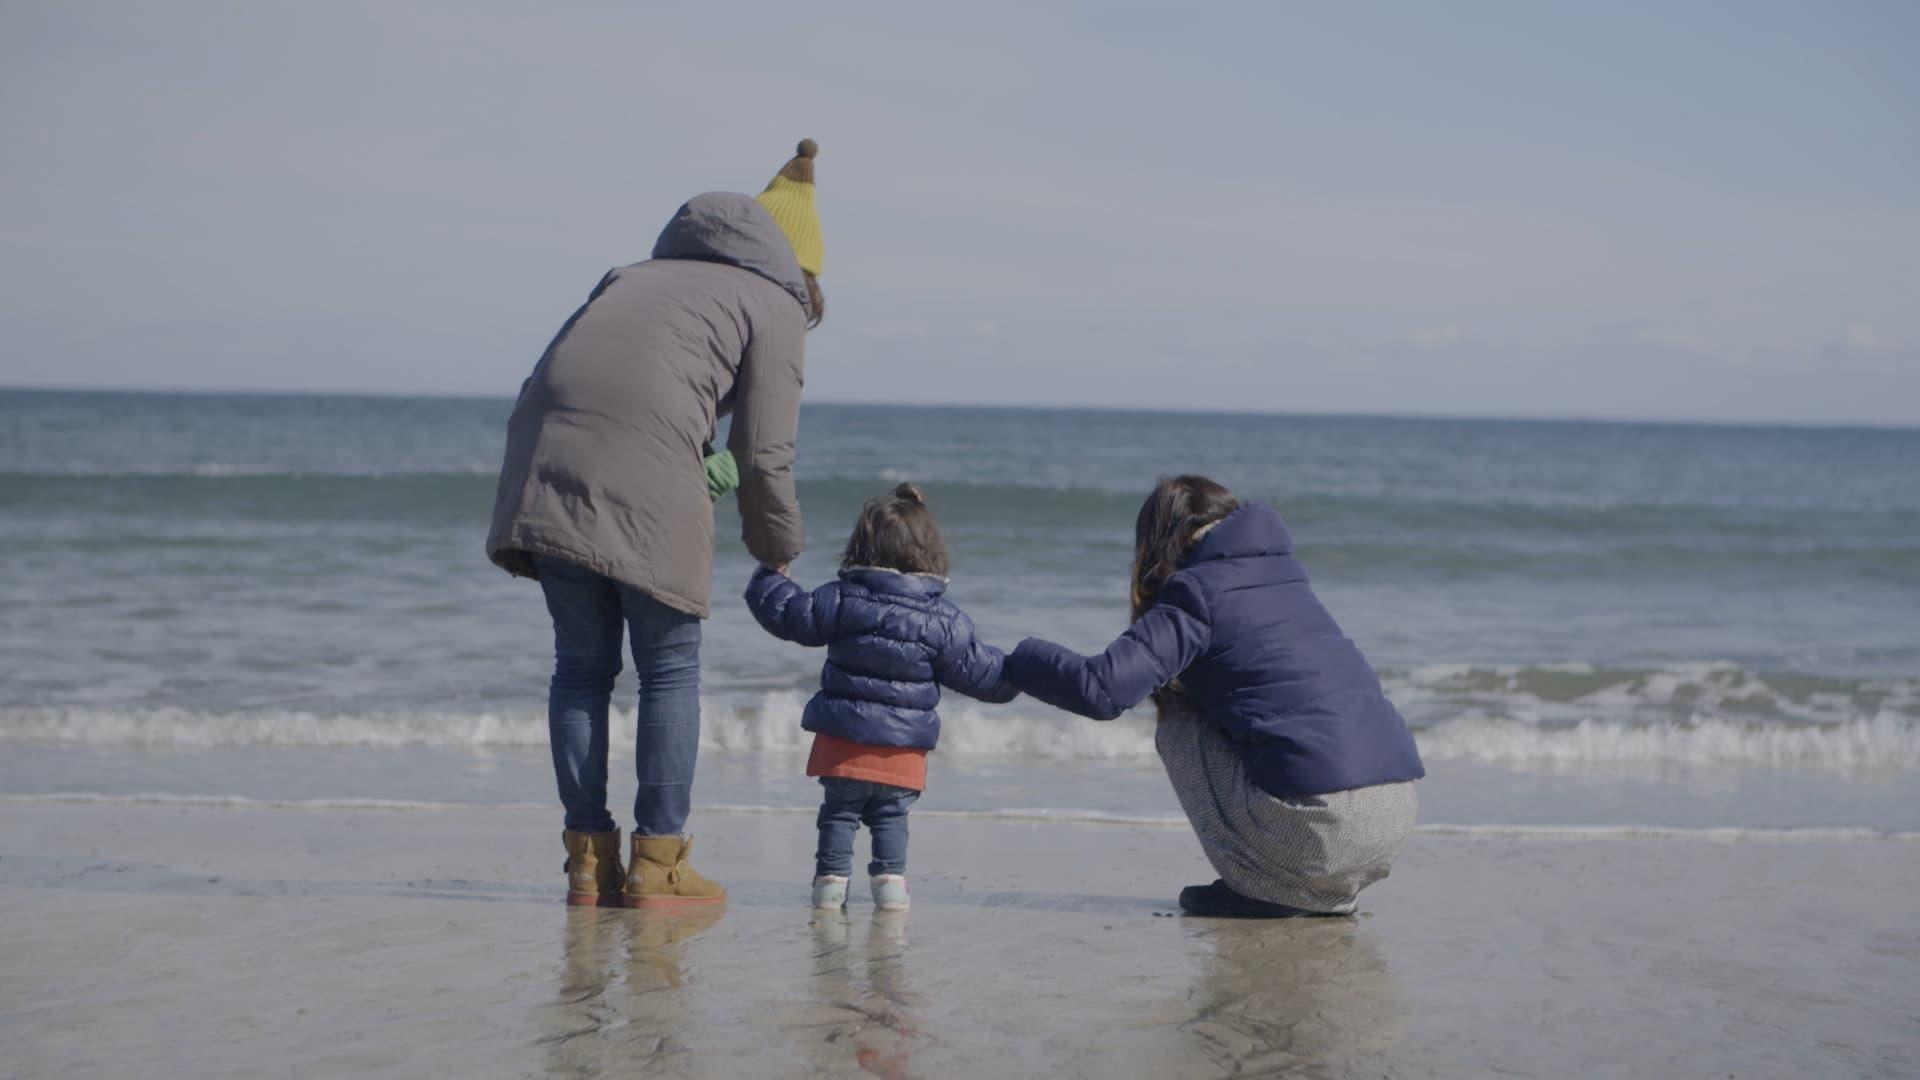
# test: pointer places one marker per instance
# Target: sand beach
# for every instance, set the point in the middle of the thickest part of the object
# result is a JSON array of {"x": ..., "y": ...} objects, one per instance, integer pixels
[{"x": 252, "y": 939}]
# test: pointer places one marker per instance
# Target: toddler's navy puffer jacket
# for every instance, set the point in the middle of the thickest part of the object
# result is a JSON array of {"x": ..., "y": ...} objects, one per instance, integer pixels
[{"x": 893, "y": 640}]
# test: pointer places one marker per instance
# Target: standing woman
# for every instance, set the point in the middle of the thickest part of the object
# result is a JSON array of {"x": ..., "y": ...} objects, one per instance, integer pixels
[{"x": 606, "y": 498}]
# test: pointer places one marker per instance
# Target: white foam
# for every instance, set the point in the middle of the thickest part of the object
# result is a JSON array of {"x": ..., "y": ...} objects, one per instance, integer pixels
[
  {"x": 191, "y": 729},
  {"x": 769, "y": 723},
  {"x": 1566, "y": 693},
  {"x": 1888, "y": 739},
  {"x": 1881, "y": 742},
  {"x": 1068, "y": 817}
]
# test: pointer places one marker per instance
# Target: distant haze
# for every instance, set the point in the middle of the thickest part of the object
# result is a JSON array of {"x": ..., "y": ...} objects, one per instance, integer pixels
[{"x": 1625, "y": 210}]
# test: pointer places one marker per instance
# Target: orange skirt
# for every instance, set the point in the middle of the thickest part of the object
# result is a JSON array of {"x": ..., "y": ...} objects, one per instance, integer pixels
[{"x": 897, "y": 765}]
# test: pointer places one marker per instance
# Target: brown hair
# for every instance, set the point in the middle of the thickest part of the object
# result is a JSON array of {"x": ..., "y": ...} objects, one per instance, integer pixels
[
  {"x": 897, "y": 531},
  {"x": 1163, "y": 534},
  {"x": 816, "y": 300}
]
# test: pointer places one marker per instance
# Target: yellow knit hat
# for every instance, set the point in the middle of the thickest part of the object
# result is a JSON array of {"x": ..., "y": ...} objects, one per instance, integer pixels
[{"x": 789, "y": 198}]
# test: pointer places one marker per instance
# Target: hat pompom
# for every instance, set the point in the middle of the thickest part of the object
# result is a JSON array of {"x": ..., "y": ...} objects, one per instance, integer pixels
[{"x": 789, "y": 198}]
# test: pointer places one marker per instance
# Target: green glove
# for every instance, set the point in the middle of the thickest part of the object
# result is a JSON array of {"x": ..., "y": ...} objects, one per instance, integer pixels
[{"x": 723, "y": 473}]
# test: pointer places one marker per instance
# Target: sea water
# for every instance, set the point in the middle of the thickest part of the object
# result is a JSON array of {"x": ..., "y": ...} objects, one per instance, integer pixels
[{"x": 210, "y": 597}]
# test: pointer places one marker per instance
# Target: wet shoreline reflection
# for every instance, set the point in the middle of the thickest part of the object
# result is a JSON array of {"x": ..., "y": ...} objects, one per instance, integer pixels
[
  {"x": 1279, "y": 995},
  {"x": 600, "y": 1022},
  {"x": 863, "y": 994}
]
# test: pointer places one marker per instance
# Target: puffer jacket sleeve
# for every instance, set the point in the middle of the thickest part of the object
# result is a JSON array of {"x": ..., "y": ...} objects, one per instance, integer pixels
[
  {"x": 766, "y": 421},
  {"x": 969, "y": 666},
  {"x": 1152, "y": 653},
  {"x": 789, "y": 612}
]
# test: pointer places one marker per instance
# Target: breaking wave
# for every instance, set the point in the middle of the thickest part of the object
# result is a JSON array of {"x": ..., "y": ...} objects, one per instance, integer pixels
[
  {"x": 1558, "y": 695},
  {"x": 1563, "y": 715}
]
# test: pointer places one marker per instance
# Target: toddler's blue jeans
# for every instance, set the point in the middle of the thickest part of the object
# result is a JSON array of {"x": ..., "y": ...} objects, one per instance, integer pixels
[
  {"x": 589, "y": 613},
  {"x": 849, "y": 803}
]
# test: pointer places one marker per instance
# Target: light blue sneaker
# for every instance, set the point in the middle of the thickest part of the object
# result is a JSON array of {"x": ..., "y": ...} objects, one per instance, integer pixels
[
  {"x": 829, "y": 891},
  {"x": 890, "y": 892}
]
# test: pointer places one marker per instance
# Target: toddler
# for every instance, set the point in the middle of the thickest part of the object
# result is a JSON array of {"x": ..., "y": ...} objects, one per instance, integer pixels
[{"x": 893, "y": 640}]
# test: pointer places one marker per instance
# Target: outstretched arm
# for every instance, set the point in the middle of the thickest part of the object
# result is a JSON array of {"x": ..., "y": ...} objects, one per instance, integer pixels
[
  {"x": 789, "y": 612},
  {"x": 972, "y": 667},
  {"x": 1152, "y": 653}
]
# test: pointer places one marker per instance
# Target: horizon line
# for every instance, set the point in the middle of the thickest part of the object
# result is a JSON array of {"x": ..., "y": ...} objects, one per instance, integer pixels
[{"x": 1181, "y": 410}]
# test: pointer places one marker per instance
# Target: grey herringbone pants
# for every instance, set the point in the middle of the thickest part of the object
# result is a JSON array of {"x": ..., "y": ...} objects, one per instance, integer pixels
[{"x": 1313, "y": 852}]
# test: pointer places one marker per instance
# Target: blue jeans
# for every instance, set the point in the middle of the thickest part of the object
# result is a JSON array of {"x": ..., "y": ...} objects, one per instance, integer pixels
[
  {"x": 846, "y": 805},
  {"x": 589, "y": 612}
]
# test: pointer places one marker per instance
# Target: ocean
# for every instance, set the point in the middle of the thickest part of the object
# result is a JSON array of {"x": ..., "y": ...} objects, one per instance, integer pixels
[{"x": 1590, "y": 625}]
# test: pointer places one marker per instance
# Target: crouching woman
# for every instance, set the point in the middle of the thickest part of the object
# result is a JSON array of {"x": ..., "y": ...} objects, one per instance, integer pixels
[{"x": 1294, "y": 768}]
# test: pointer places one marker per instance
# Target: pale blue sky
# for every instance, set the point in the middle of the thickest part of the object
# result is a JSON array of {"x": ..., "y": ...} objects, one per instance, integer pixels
[{"x": 1649, "y": 211}]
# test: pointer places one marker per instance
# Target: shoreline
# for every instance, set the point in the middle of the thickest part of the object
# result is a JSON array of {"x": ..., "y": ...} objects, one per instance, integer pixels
[
  {"x": 253, "y": 939},
  {"x": 1579, "y": 831}
]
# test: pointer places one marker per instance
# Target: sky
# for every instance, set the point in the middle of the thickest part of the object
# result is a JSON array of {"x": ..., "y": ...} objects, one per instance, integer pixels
[{"x": 1642, "y": 211}]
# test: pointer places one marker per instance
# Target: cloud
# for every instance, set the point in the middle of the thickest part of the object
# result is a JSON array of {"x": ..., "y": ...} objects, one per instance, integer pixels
[{"x": 1435, "y": 335}]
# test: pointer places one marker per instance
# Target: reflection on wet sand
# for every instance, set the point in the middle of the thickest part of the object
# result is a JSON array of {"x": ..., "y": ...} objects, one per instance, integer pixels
[
  {"x": 645, "y": 1028},
  {"x": 1286, "y": 995},
  {"x": 874, "y": 1016},
  {"x": 631, "y": 998},
  {"x": 1044, "y": 960}
]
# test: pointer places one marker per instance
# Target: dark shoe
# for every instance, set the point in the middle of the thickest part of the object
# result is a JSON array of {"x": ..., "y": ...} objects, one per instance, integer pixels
[{"x": 1219, "y": 902}]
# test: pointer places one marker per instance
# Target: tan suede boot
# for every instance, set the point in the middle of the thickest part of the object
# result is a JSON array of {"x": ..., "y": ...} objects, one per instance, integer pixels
[
  {"x": 659, "y": 875},
  {"x": 593, "y": 869}
]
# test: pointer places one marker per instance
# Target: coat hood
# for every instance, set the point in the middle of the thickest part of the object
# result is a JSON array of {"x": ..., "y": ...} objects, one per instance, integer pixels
[
  {"x": 1253, "y": 530},
  {"x": 724, "y": 227},
  {"x": 890, "y": 582}
]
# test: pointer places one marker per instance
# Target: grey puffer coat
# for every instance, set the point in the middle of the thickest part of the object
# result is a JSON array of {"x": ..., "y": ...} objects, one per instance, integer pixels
[{"x": 603, "y": 461}]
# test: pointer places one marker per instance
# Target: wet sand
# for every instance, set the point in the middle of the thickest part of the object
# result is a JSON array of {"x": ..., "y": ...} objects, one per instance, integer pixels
[{"x": 208, "y": 941}]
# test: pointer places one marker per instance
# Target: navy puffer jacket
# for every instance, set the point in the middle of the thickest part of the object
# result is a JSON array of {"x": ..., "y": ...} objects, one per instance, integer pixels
[
  {"x": 893, "y": 640},
  {"x": 1240, "y": 628}
]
